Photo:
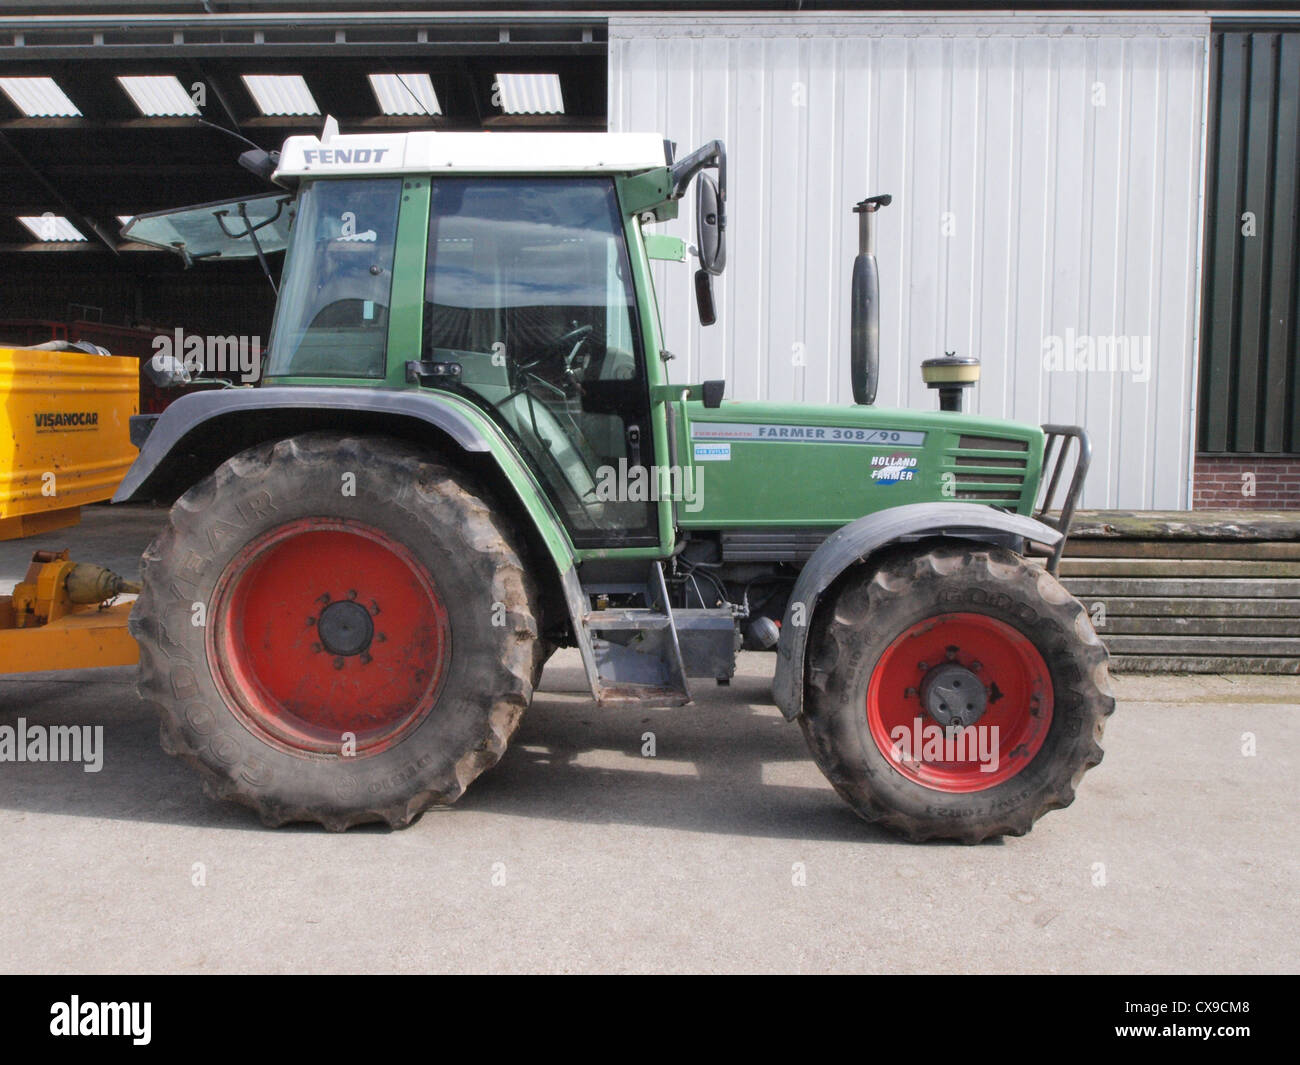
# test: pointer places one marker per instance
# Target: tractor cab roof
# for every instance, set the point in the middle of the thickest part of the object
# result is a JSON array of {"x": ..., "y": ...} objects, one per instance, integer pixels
[{"x": 424, "y": 152}]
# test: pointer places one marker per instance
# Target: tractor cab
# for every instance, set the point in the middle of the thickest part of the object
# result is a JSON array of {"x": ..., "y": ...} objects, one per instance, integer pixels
[{"x": 520, "y": 288}]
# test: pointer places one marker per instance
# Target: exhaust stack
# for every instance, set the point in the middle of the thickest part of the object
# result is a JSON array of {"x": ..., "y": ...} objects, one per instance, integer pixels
[{"x": 864, "y": 332}]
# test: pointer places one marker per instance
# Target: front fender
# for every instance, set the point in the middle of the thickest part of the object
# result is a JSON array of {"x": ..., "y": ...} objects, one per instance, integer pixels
[{"x": 853, "y": 543}]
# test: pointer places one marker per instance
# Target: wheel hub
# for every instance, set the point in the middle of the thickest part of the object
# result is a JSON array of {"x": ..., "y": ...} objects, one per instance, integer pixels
[
  {"x": 326, "y": 627},
  {"x": 956, "y": 670},
  {"x": 953, "y": 695},
  {"x": 345, "y": 628}
]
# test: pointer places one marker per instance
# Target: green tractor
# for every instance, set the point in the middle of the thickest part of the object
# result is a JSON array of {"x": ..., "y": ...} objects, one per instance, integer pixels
[{"x": 465, "y": 451}]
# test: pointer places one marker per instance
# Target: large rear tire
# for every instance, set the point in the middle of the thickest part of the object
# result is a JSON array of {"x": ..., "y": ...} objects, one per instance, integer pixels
[
  {"x": 958, "y": 693},
  {"x": 338, "y": 630}
]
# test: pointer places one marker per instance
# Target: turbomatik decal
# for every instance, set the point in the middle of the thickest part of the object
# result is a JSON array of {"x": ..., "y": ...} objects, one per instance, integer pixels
[{"x": 812, "y": 434}]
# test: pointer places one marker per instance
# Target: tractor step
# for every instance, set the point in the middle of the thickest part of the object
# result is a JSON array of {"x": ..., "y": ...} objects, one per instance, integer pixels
[
  {"x": 634, "y": 650},
  {"x": 627, "y": 620},
  {"x": 641, "y": 695},
  {"x": 643, "y": 654}
]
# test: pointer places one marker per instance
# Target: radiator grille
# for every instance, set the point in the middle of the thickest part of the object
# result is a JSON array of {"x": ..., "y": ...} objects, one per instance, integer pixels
[{"x": 989, "y": 469}]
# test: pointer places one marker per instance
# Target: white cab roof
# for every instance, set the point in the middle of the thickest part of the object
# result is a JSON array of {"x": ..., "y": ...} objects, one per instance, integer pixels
[{"x": 433, "y": 152}]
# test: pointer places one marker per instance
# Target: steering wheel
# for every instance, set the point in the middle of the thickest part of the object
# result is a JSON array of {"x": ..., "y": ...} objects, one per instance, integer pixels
[
  {"x": 574, "y": 339},
  {"x": 573, "y": 336}
]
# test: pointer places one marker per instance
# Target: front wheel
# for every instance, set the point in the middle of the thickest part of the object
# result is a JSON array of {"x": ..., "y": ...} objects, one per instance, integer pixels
[
  {"x": 958, "y": 693},
  {"x": 338, "y": 630}
]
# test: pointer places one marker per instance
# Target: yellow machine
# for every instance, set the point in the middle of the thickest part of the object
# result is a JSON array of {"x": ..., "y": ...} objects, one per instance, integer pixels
[
  {"x": 64, "y": 435},
  {"x": 64, "y": 442}
]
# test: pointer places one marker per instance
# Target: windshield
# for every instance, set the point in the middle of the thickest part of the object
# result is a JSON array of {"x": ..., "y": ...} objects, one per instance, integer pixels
[
  {"x": 332, "y": 316},
  {"x": 217, "y": 230}
]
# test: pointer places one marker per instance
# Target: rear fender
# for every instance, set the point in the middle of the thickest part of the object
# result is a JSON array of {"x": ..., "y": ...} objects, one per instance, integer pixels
[
  {"x": 198, "y": 432},
  {"x": 203, "y": 420}
]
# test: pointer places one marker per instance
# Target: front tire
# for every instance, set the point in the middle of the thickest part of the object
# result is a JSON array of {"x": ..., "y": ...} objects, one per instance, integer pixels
[
  {"x": 955, "y": 694},
  {"x": 337, "y": 630}
]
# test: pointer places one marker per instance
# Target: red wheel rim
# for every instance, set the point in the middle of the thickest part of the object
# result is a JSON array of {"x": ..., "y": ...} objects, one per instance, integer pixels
[
  {"x": 324, "y": 627},
  {"x": 1001, "y": 742}
]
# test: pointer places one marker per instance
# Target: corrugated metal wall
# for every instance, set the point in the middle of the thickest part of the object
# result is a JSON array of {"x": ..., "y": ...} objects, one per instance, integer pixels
[
  {"x": 1250, "y": 362},
  {"x": 1047, "y": 175}
]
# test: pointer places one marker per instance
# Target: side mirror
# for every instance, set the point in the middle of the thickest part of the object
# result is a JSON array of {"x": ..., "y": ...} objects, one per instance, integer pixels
[
  {"x": 704, "y": 297},
  {"x": 710, "y": 225},
  {"x": 166, "y": 371}
]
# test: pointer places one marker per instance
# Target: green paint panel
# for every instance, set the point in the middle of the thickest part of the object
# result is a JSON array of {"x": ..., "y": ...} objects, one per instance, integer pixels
[
  {"x": 405, "y": 316},
  {"x": 530, "y": 493},
  {"x": 662, "y": 246},
  {"x": 805, "y": 476}
]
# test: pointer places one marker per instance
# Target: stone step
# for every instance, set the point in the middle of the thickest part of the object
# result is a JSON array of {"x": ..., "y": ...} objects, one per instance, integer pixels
[
  {"x": 1252, "y": 646},
  {"x": 1195, "y": 626},
  {"x": 1159, "y": 587},
  {"x": 1179, "y": 567},
  {"x": 1279, "y": 666},
  {"x": 1190, "y": 592},
  {"x": 1110, "y": 547},
  {"x": 1186, "y": 607}
]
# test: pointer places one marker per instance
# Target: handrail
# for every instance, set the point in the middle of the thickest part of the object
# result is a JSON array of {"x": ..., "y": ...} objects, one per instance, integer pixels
[{"x": 1055, "y": 451}]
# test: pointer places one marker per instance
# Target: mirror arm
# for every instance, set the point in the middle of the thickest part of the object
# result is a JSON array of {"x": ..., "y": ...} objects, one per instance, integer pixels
[{"x": 681, "y": 172}]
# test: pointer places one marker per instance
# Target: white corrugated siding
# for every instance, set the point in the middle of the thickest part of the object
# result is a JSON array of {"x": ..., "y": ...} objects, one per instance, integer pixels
[{"x": 1065, "y": 214}]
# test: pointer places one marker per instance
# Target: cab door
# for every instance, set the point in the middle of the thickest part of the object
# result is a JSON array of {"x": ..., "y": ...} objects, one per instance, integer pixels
[{"x": 529, "y": 296}]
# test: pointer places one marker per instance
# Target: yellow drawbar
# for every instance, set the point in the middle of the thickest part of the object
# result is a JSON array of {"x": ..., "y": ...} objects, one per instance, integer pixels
[{"x": 64, "y": 435}]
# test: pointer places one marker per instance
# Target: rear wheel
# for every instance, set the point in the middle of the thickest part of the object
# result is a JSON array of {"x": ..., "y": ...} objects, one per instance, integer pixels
[
  {"x": 336, "y": 630},
  {"x": 955, "y": 694}
]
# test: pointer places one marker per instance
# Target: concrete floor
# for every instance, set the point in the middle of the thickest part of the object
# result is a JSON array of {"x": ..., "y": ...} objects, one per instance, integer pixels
[{"x": 575, "y": 854}]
